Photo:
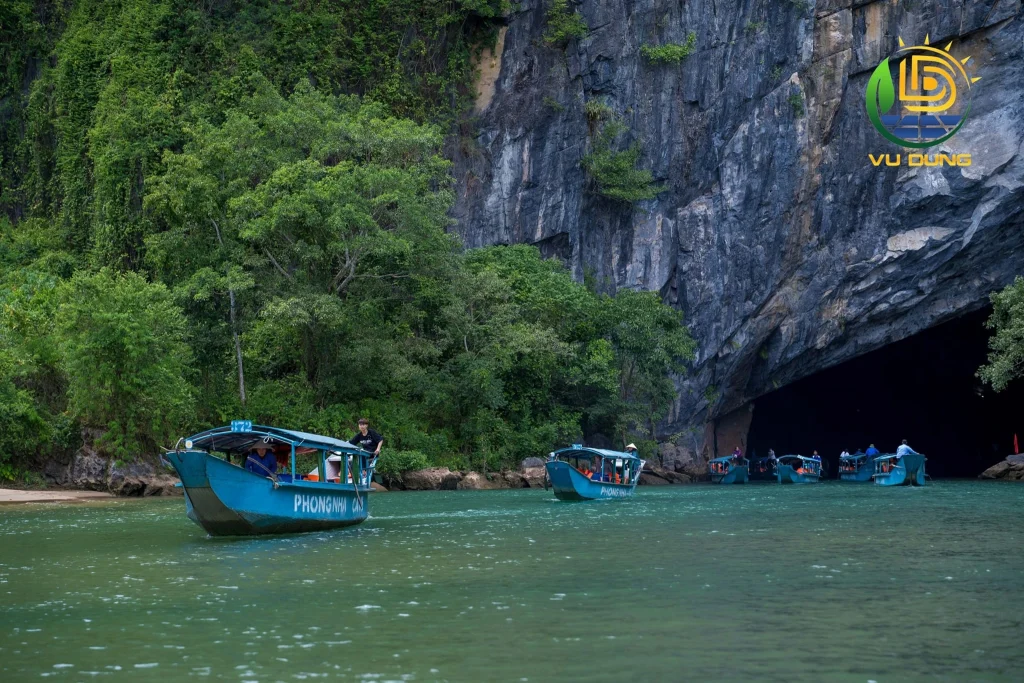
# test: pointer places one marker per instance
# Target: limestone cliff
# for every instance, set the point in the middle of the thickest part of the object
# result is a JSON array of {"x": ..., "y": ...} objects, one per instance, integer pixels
[{"x": 788, "y": 251}]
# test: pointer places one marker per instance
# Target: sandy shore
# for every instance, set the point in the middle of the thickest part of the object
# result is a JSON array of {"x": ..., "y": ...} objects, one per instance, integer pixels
[{"x": 18, "y": 496}]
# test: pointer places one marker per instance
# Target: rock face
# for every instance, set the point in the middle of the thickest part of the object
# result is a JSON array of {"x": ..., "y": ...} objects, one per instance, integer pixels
[
  {"x": 431, "y": 479},
  {"x": 785, "y": 247},
  {"x": 1011, "y": 469},
  {"x": 91, "y": 471},
  {"x": 476, "y": 482}
]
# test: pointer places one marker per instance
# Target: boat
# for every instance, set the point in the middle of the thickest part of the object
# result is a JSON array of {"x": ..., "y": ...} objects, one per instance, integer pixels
[
  {"x": 728, "y": 470},
  {"x": 798, "y": 469},
  {"x": 900, "y": 470},
  {"x": 762, "y": 469},
  {"x": 856, "y": 467},
  {"x": 614, "y": 475},
  {"x": 226, "y": 499}
]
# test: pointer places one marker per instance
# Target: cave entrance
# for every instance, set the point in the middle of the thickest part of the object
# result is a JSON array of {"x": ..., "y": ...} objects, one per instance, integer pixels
[{"x": 922, "y": 389}]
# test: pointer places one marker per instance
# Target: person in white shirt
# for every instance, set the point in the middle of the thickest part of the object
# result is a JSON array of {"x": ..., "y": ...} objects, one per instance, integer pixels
[
  {"x": 904, "y": 449},
  {"x": 844, "y": 454}
]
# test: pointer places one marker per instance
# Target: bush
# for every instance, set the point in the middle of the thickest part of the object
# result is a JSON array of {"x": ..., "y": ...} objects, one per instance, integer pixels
[
  {"x": 564, "y": 24},
  {"x": 615, "y": 171},
  {"x": 392, "y": 463},
  {"x": 797, "y": 104},
  {"x": 1006, "y": 346},
  {"x": 126, "y": 360},
  {"x": 670, "y": 53}
]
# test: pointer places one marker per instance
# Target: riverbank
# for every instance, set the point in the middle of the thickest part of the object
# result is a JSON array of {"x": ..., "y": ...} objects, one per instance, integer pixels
[{"x": 14, "y": 496}]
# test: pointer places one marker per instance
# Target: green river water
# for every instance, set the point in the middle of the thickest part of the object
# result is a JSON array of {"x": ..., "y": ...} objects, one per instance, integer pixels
[{"x": 845, "y": 582}]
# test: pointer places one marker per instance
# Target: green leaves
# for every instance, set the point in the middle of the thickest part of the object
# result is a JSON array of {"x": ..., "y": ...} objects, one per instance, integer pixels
[
  {"x": 670, "y": 53},
  {"x": 126, "y": 360},
  {"x": 615, "y": 171},
  {"x": 564, "y": 24},
  {"x": 1006, "y": 346}
]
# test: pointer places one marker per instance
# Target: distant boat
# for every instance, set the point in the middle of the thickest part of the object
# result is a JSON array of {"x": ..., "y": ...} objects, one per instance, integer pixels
[
  {"x": 728, "y": 470},
  {"x": 228, "y": 500},
  {"x": 613, "y": 474},
  {"x": 762, "y": 469},
  {"x": 856, "y": 467},
  {"x": 797, "y": 469},
  {"x": 900, "y": 470}
]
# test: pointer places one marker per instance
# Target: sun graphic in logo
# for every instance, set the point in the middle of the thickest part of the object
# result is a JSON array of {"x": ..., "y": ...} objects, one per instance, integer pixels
[{"x": 933, "y": 100}]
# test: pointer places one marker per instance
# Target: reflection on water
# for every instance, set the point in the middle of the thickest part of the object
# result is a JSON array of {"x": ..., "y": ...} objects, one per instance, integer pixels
[{"x": 834, "y": 581}]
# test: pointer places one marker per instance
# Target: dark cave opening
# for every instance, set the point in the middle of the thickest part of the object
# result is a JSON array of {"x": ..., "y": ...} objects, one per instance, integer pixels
[{"x": 922, "y": 389}]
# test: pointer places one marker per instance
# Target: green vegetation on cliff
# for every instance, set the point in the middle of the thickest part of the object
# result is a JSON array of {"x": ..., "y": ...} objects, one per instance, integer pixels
[
  {"x": 670, "y": 53},
  {"x": 1006, "y": 347},
  {"x": 241, "y": 210}
]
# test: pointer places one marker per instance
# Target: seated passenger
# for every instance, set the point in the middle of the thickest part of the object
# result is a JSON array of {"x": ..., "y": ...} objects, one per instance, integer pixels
[{"x": 262, "y": 462}]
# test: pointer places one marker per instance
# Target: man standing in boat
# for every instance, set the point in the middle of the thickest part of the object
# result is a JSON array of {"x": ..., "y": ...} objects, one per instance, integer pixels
[
  {"x": 367, "y": 439},
  {"x": 904, "y": 449}
]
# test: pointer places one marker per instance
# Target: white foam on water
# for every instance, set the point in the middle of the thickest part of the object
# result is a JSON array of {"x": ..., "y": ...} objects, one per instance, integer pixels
[
  {"x": 147, "y": 665},
  {"x": 365, "y": 608}
]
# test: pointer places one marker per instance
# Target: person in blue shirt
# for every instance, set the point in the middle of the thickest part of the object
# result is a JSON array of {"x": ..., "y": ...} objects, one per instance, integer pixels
[
  {"x": 596, "y": 475},
  {"x": 261, "y": 461},
  {"x": 904, "y": 449},
  {"x": 871, "y": 451}
]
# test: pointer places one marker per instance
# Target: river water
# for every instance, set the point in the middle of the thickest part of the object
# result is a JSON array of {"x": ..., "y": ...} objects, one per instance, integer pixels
[{"x": 845, "y": 582}]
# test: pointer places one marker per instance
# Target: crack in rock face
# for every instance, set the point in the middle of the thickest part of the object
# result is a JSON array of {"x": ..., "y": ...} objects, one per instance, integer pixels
[{"x": 786, "y": 248}]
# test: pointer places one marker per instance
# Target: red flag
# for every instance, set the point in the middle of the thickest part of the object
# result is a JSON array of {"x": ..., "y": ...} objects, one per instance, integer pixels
[{"x": 1016, "y": 447}]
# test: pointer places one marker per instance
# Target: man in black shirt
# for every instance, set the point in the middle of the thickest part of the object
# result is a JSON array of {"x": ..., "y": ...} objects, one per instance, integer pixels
[{"x": 367, "y": 439}]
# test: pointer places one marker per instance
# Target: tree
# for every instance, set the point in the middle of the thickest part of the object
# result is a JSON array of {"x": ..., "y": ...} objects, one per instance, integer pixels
[
  {"x": 126, "y": 360},
  {"x": 651, "y": 345},
  {"x": 1006, "y": 347}
]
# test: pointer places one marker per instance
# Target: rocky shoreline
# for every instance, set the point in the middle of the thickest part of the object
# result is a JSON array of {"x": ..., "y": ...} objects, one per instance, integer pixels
[
  {"x": 1011, "y": 469},
  {"x": 530, "y": 474},
  {"x": 89, "y": 470}
]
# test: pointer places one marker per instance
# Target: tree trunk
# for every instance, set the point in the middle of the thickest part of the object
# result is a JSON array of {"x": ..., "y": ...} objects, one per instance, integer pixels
[{"x": 234, "y": 322}]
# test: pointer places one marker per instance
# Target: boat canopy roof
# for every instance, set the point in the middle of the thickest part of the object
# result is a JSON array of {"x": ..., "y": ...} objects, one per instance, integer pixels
[
  {"x": 853, "y": 456},
  {"x": 801, "y": 457},
  {"x": 728, "y": 458},
  {"x": 241, "y": 436},
  {"x": 883, "y": 456},
  {"x": 601, "y": 452}
]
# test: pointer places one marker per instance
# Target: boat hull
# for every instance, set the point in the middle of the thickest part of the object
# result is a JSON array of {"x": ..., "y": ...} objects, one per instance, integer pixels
[
  {"x": 226, "y": 500},
  {"x": 909, "y": 471},
  {"x": 863, "y": 473},
  {"x": 569, "y": 484},
  {"x": 738, "y": 474},
  {"x": 787, "y": 475}
]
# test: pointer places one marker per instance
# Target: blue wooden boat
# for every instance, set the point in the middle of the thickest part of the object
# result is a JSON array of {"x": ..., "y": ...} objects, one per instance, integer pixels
[
  {"x": 856, "y": 467},
  {"x": 728, "y": 470},
  {"x": 581, "y": 473},
  {"x": 900, "y": 470},
  {"x": 797, "y": 469},
  {"x": 762, "y": 469},
  {"x": 228, "y": 500}
]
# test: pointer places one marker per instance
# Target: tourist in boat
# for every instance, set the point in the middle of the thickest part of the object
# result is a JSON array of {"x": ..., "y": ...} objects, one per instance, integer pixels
[
  {"x": 261, "y": 461},
  {"x": 844, "y": 454},
  {"x": 904, "y": 449},
  {"x": 872, "y": 451}
]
